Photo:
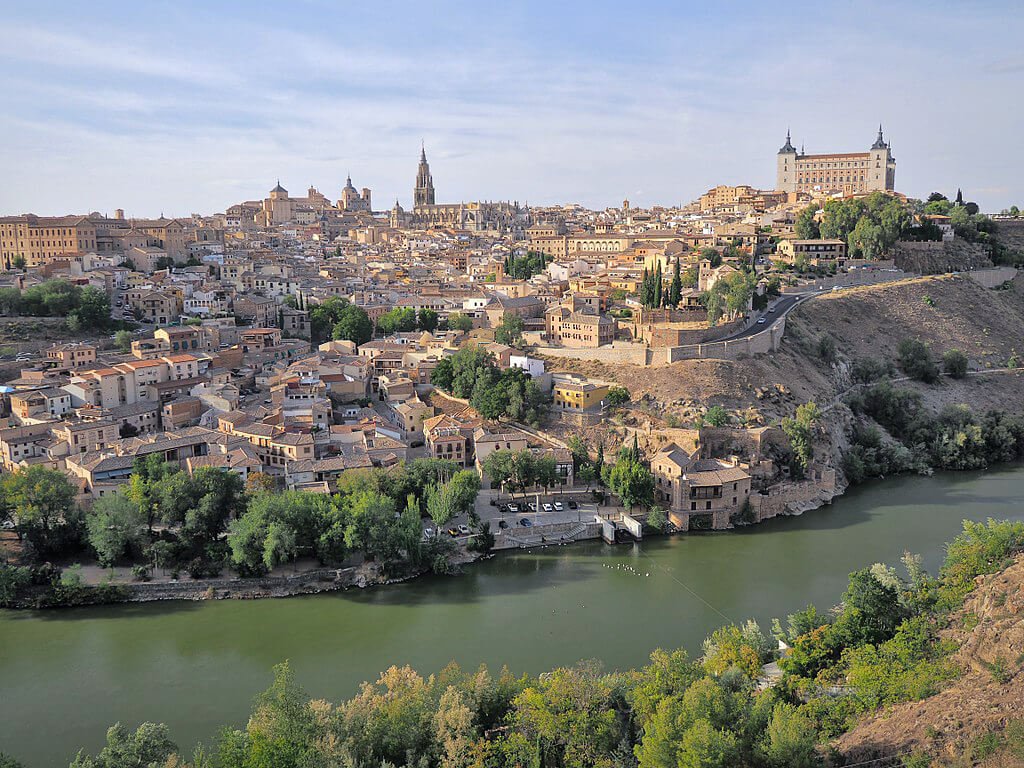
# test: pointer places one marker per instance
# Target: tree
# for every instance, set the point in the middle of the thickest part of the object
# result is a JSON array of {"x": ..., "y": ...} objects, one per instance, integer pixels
[
  {"x": 716, "y": 416},
  {"x": 353, "y": 325},
  {"x": 114, "y": 525},
  {"x": 148, "y": 745},
  {"x": 510, "y": 331},
  {"x": 123, "y": 341},
  {"x": 806, "y": 226},
  {"x": 427, "y": 320},
  {"x": 657, "y": 519},
  {"x": 675, "y": 291},
  {"x": 397, "y": 320},
  {"x": 632, "y": 482},
  {"x": 93, "y": 309},
  {"x": 954, "y": 363},
  {"x": 915, "y": 359},
  {"x": 43, "y": 502},
  {"x": 324, "y": 316},
  {"x": 457, "y": 321},
  {"x": 800, "y": 431},
  {"x": 790, "y": 739},
  {"x": 617, "y": 395}
]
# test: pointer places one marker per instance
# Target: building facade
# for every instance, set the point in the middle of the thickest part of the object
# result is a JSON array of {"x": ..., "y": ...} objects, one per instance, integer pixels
[{"x": 850, "y": 173}]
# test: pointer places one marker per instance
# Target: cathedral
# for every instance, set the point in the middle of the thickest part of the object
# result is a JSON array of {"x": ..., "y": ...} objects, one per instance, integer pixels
[{"x": 499, "y": 218}]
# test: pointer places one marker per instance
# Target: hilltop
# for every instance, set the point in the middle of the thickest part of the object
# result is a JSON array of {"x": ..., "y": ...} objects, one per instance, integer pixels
[{"x": 945, "y": 312}]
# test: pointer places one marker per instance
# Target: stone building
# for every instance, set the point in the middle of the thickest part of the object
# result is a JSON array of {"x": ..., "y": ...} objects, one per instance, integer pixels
[
  {"x": 352, "y": 201},
  {"x": 499, "y": 217},
  {"x": 849, "y": 173}
]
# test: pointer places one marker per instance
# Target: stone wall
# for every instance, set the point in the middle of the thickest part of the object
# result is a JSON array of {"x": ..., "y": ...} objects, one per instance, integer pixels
[
  {"x": 793, "y": 498},
  {"x": 936, "y": 258},
  {"x": 992, "y": 278},
  {"x": 616, "y": 352},
  {"x": 767, "y": 340}
]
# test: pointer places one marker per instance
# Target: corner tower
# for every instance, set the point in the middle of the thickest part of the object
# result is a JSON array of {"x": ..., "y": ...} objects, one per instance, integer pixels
[{"x": 785, "y": 173}]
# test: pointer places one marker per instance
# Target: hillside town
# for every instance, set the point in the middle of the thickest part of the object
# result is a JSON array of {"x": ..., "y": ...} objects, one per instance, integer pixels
[{"x": 296, "y": 342}]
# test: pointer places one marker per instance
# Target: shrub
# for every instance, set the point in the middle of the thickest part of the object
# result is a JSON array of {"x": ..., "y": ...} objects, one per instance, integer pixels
[
  {"x": 916, "y": 361},
  {"x": 954, "y": 363}
]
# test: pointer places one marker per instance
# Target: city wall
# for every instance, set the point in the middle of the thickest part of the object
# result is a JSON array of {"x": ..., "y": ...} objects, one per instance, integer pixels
[{"x": 767, "y": 340}]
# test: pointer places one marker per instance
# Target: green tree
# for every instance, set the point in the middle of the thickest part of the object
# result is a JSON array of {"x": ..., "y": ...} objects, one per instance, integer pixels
[
  {"x": 510, "y": 331},
  {"x": 123, "y": 341},
  {"x": 115, "y": 526},
  {"x": 325, "y": 316},
  {"x": 915, "y": 359},
  {"x": 427, "y": 320},
  {"x": 716, "y": 416},
  {"x": 93, "y": 310},
  {"x": 806, "y": 226},
  {"x": 954, "y": 363},
  {"x": 43, "y": 502},
  {"x": 800, "y": 431},
  {"x": 675, "y": 290},
  {"x": 353, "y": 325},
  {"x": 617, "y": 395},
  {"x": 457, "y": 321},
  {"x": 790, "y": 739},
  {"x": 147, "y": 746},
  {"x": 632, "y": 482}
]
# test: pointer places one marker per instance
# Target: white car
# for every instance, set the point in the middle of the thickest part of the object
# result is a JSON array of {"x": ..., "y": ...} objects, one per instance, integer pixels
[
  {"x": 464, "y": 530},
  {"x": 8, "y": 525},
  {"x": 558, "y": 506},
  {"x": 762, "y": 320},
  {"x": 547, "y": 507},
  {"x": 428, "y": 533}
]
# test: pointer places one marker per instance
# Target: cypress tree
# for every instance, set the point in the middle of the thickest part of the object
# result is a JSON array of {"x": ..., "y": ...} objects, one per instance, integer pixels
[
  {"x": 657, "y": 286},
  {"x": 675, "y": 293}
]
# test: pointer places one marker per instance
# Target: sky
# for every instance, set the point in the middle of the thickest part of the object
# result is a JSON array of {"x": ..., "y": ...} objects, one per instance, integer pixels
[{"x": 190, "y": 106}]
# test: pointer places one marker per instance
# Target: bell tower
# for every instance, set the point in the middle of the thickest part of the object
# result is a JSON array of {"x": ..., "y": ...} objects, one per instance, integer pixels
[{"x": 423, "y": 193}]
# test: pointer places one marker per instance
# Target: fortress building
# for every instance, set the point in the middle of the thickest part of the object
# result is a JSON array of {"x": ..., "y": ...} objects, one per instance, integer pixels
[{"x": 849, "y": 173}]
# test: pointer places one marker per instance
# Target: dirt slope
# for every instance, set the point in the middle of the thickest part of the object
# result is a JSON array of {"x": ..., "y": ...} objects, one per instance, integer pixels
[
  {"x": 980, "y": 700},
  {"x": 944, "y": 311}
]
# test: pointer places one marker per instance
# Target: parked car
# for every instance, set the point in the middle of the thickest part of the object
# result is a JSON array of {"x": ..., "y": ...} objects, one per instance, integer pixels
[
  {"x": 513, "y": 508},
  {"x": 453, "y": 532},
  {"x": 558, "y": 506},
  {"x": 428, "y": 533},
  {"x": 573, "y": 504},
  {"x": 762, "y": 320},
  {"x": 464, "y": 530},
  {"x": 532, "y": 507},
  {"x": 547, "y": 507},
  {"x": 503, "y": 524},
  {"x": 525, "y": 522},
  {"x": 8, "y": 525}
]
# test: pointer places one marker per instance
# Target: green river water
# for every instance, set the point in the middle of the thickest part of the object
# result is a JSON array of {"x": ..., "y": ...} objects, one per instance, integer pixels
[{"x": 67, "y": 675}]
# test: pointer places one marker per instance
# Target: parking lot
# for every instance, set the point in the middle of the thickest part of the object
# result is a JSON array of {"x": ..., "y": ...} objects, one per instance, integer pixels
[{"x": 518, "y": 514}]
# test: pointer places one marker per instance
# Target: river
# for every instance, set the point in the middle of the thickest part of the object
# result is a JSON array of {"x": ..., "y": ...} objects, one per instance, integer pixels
[{"x": 65, "y": 676}]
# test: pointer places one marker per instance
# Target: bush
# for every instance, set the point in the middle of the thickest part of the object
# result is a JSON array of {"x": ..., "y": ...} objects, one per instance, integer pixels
[
  {"x": 141, "y": 573},
  {"x": 916, "y": 361},
  {"x": 954, "y": 363}
]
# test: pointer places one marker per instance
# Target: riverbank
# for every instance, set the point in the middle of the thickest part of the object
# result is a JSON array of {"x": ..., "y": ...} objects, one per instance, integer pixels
[{"x": 196, "y": 664}]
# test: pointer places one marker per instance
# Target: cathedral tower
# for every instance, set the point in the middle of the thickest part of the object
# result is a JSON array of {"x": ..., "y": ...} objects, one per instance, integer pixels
[{"x": 423, "y": 194}]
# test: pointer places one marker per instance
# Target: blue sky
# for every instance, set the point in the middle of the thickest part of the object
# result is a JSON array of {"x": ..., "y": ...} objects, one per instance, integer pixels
[{"x": 190, "y": 106}]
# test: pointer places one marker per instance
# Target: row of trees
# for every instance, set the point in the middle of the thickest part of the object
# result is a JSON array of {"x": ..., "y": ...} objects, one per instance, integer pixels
[
  {"x": 472, "y": 374},
  {"x": 654, "y": 294},
  {"x": 880, "y": 644},
  {"x": 86, "y": 307},
  {"x": 525, "y": 267},
  {"x": 870, "y": 226},
  {"x": 203, "y": 522},
  {"x": 917, "y": 439}
]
